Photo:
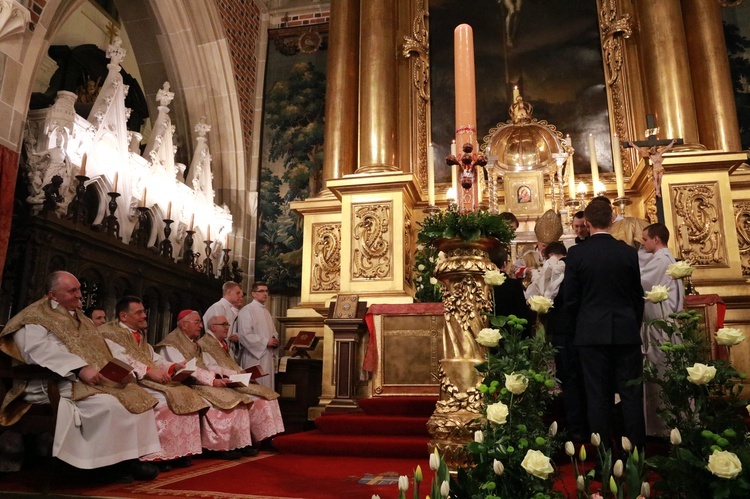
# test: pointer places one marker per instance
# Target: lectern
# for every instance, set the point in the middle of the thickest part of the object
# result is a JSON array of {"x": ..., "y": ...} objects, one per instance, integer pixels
[{"x": 346, "y": 318}]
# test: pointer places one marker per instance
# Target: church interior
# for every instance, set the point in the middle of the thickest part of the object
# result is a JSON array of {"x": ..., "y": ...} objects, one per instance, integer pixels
[{"x": 161, "y": 148}]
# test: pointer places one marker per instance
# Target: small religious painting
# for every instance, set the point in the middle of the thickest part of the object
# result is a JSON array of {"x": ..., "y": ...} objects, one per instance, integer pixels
[{"x": 524, "y": 193}]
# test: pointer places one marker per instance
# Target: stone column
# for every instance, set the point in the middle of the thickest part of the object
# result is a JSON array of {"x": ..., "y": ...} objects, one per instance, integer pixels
[
  {"x": 712, "y": 82},
  {"x": 378, "y": 87},
  {"x": 342, "y": 88},
  {"x": 663, "y": 51}
]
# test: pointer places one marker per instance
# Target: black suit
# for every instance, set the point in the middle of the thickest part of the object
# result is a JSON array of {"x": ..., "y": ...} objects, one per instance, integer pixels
[{"x": 603, "y": 292}]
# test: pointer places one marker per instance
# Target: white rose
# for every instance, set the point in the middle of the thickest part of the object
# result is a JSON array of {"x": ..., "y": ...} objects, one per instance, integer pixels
[
  {"x": 675, "y": 437},
  {"x": 479, "y": 437},
  {"x": 441, "y": 256},
  {"x": 420, "y": 267},
  {"x": 701, "y": 374},
  {"x": 497, "y": 413},
  {"x": 420, "y": 247},
  {"x": 433, "y": 281},
  {"x": 498, "y": 467},
  {"x": 419, "y": 278},
  {"x": 657, "y": 294},
  {"x": 489, "y": 337},
  {"x": 494, "y": 277},
  {"x": 516, "y": 383},
  {"x": 724, "y": 464},
  {"x": 539, "y": 304},
  {"x": 729, "y": 336},
  {"x": 681, "y": 269},
  {"x": 537, "y": 464}
]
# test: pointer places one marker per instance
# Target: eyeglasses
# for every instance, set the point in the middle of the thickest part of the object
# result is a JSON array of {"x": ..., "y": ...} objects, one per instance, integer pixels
[
  {"x": 261, "y": 291},
  {"x": 225, "y": 324},
  {"x": 197, "y": 321}
]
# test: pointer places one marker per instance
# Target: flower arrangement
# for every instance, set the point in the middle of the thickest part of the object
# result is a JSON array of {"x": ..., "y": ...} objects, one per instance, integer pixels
[
  {"x": 440, "y": 487},
  {"x": 465, "y": 225},
  {"x": 710, "y": 451},
  {"x": 425, "y": 283},
  {"x": 512, "y": 452},
  {"x": 619, "y": 480}
]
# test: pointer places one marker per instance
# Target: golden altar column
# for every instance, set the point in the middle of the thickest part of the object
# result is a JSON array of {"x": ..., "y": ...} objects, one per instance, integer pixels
[
  {"x": 378, "y": 95},
  {"x": 712, "y": 82},
  {"x": 664, "y": 56},
  {"x": 342, "y": 89}
]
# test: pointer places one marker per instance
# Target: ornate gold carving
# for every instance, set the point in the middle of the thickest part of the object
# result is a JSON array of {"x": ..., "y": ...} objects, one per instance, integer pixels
[
  {"x": 614, "y": 28},
  {"x": 650, "y": 205},
  {"x": 407, "y": 249},
  {"x": 372, "y": 241},
  {"x": 742, "y": 222},
  {"x": 417, "y": 47},
  {"x": 466, "y": 297},
  {"x": 326, "y": 269},
  {"x": 698, "y": 206}
]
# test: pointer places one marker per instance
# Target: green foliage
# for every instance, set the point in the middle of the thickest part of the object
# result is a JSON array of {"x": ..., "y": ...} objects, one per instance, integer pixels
[
  {"x": 465, "y": 225},
  {"x": 708, "y": 416},
  {"x": 294, "y": 112},
  {"x": 524, "y": 429},
  {"x": 426, "y": 285}
]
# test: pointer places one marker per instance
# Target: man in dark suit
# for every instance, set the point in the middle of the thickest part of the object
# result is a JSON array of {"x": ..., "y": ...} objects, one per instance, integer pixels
[{"x": 603, "y": 292}]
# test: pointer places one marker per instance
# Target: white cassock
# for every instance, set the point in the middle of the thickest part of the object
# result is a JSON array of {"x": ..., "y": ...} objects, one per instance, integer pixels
[
  {"x": 179, "y": 434},
  {"x": 90, "y": 433},
  {"x": 265, "y": 415},
  {"x": 221, "y": 430},
  {"x": 223, "y": 307},
  {"x": 653, "y": 272},
  {"x": 255, "y": 327}
]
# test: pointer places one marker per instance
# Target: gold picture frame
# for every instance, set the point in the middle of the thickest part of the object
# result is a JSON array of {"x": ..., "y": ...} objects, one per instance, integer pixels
[{"x": 524, "y": 192}]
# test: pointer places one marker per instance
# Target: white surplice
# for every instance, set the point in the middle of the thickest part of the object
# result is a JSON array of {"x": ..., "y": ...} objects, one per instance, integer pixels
[
  {"x": 653, "y": 272},
  {"x": 255, "y": 327},
  {"x": 90, "y": 433}
]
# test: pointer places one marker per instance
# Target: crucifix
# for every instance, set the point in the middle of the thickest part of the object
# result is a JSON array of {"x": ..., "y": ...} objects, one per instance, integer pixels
[
  {"x": 112, "y": 31},
  {"x": 649, "y": 150}
]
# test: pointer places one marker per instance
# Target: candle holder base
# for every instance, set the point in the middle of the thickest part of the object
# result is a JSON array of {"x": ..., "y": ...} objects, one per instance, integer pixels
[
  {"x": 166, "y": 245},
  {"x": 621, "y": 203},
  {"x": 573, "y": 204},
  {"x": 77, "y": 210},
  {"x": 111, "y": 224},
  {"x": 431, "y": 210}
]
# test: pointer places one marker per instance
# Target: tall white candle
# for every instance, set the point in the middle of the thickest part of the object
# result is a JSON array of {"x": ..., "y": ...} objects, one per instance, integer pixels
[
  {"x": 431, "y": 175},
  {"x": 617, "y": 161},
  {"x": 571, "y": 173},
  {"x": 114, "y": 184},
  {"x": 516, "y": 93},
  {"x": 453, "y": 147},
  {"x": 594, "y": 164},
  {"x": 85, "y": 158}
]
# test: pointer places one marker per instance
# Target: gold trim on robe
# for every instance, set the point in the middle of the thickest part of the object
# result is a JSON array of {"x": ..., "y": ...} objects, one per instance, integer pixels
[
  {"x": 80, "y": 337},
  {"x": 180, "y": 398},
  {"x": 212, "y": 346},
  {"x": 223, "y": 398}
]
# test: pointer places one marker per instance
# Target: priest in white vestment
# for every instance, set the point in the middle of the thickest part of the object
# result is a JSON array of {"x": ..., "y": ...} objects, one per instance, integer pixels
[
  {"x": 177, "y": 416},
  {"x": 225, "y": 427},
  {"x": 265, "y": 414},
  {"x": 98, "y": 424},
  {"x": 654, "y": 272},
  {"x": 258, "y": 336},
  {"x": 229, "y": 306}
]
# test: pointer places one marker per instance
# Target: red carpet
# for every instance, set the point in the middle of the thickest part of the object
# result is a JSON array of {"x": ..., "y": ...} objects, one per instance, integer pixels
[{"x": 389, "y": 427}]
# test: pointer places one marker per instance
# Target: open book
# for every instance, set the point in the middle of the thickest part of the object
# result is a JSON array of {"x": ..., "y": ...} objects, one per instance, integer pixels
[
  {"x": 238, "y": 380},
  {"x": 115, "y": 370},
  {"x": 185, "y": 372}
]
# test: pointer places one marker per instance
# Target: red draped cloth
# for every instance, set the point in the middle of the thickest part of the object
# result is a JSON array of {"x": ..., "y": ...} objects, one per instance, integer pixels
[
  {"x": 371, "y": 357},
  {"x": 717, "y": 351},
  {"x": 8, "y": 173}
]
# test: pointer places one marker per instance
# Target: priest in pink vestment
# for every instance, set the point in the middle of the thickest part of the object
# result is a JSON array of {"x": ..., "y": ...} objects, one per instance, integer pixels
[
  {"x": 265, "y": 414},
  {"x": 225, "y": 427},
  {"x": 177, "y": 418}
]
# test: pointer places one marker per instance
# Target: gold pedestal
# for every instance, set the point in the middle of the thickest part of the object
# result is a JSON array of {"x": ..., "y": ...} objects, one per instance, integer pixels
[
  {"x": 466, "y": 301},
  {"x": 458, "y": 413}
]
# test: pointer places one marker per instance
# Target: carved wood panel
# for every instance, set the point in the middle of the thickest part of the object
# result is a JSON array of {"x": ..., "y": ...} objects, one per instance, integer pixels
[
  {"x": 372, "y": 241},
  {"x": 326, "y": 268},
  {"x": 698, "y": 207}
]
